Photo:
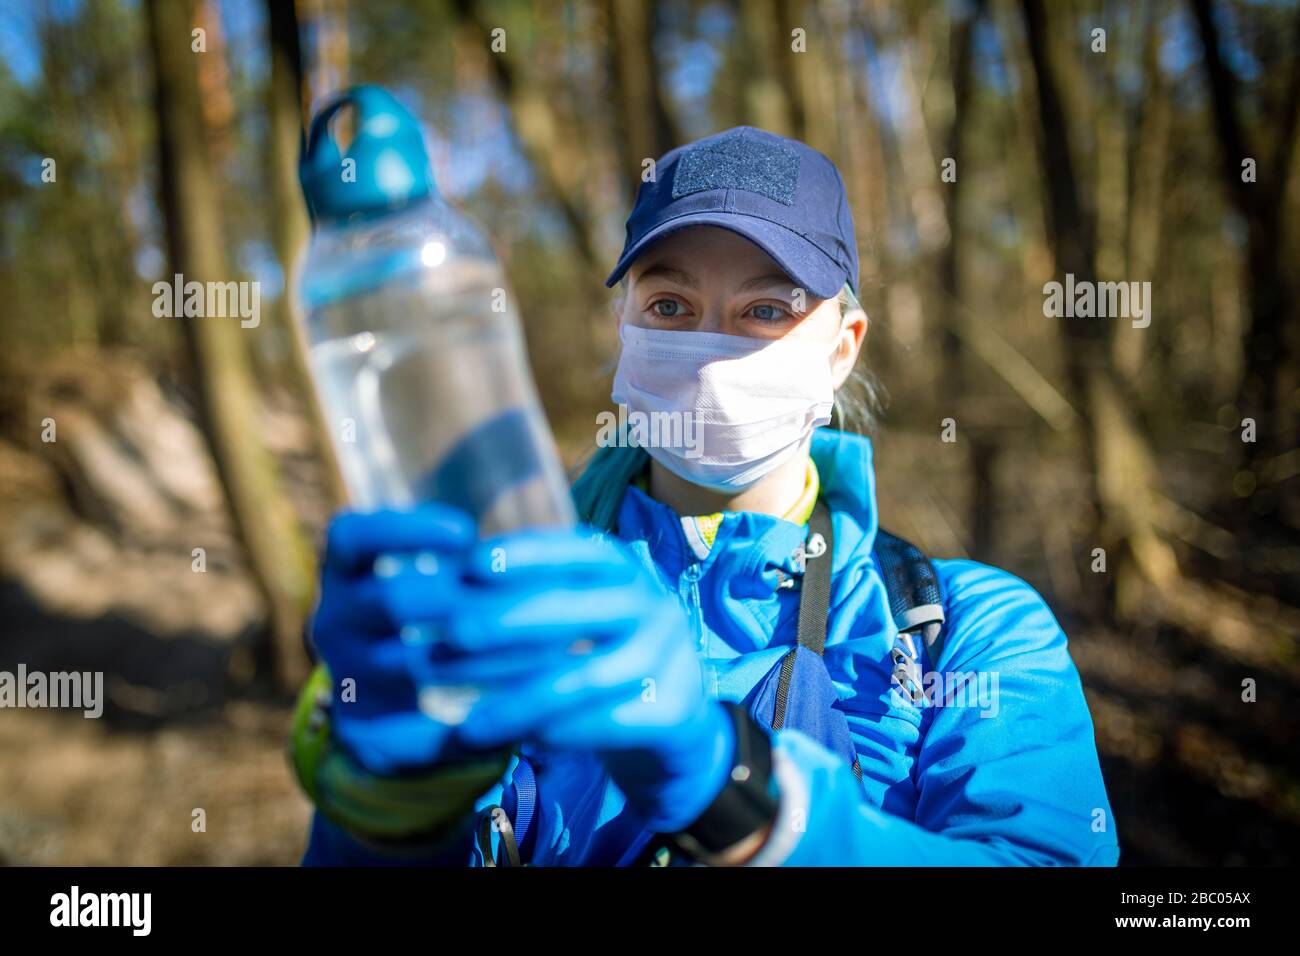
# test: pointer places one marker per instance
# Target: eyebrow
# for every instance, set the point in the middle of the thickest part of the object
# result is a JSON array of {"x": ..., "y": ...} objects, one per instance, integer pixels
[
  {"x": 680, "y": 276},
  {"x": 764, "y": 281}
]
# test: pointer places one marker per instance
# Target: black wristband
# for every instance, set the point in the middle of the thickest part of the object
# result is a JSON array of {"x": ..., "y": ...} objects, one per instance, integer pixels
[{"x": 746, "y": 805}]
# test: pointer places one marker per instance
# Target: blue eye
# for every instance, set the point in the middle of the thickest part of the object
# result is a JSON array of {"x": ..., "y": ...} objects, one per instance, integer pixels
[
  {"x": 674, "y": 308},
  {"x": 769, "y": 313}
]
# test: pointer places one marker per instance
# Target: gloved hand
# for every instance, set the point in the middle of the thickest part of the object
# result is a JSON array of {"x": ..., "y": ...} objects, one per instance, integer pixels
[
  {"x": 553, "y": 636},
  {"x": 384, "y": 573},
  {"x": 569, "y": 641}
]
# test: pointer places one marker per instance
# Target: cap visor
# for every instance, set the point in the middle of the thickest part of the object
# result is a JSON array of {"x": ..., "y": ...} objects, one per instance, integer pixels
[{"x": 807, "y": 266}]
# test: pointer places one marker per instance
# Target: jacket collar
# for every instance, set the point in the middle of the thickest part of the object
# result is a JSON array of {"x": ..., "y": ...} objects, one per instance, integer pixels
[{"x": 747, "y": 543}]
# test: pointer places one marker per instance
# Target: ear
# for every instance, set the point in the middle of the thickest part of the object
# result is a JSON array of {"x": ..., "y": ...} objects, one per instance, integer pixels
[{"x": 853, "y": 332}]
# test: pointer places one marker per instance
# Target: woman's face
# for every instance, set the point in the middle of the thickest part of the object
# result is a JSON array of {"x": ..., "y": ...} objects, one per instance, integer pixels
[{"x": 707, "y": 279}]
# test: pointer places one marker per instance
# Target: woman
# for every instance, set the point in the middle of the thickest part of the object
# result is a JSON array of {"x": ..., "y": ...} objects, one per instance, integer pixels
[{"x": 718, "y": 677}]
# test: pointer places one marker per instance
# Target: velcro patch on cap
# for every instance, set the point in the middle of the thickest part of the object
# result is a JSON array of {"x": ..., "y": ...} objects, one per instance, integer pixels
[{"x": 739, "y": 162}]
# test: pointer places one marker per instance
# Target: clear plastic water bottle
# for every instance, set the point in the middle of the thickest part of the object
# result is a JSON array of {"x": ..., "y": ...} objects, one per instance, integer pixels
[{"x": 415, "y": 347}]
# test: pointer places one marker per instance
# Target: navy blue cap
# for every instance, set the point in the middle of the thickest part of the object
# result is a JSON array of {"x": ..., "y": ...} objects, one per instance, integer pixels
[{"x": 785, "y": 197}]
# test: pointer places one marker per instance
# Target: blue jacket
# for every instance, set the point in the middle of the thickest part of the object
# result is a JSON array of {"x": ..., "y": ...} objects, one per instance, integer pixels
[{"x": 1010, "y": 778}]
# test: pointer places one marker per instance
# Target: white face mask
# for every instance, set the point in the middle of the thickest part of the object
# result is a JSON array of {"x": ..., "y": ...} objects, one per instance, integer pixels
[{"x": 721, "y": 411}]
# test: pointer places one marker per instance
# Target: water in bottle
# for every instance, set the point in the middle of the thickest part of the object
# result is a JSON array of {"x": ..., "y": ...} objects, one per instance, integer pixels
[{"x": 415, "y": 346}]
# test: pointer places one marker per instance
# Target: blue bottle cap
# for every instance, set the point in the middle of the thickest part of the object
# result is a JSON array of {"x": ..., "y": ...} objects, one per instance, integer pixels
[{"x": 386, "y": 166}]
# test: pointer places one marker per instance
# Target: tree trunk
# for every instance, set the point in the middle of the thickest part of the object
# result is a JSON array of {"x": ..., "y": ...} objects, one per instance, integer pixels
[
  {"x": 277, "y": 551},
  {"x": 289, "y": 224},
  {"x": 1262, "y": 205},
  {"x": 814, "y": 76},
  {"x": 865, "y": 177},
  {"x": 645, "y": 128},
  {"x": 983, "y": 444},
  {"x": 1151, "y": 152},
  {"x": 329, "y": 70},
  {"x": 761, "y": 54},
  {"x": 960, "y": 57},
  {"x": 553, "y": 154},
  {"x": 1120, "y": 464}
]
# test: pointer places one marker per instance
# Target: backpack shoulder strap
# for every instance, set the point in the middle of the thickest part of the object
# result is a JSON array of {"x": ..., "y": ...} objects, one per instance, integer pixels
[
  {"x": 915, "y": 600},
  {"x": 815, "y": 589},
  {"x": 512, "y": 818}
]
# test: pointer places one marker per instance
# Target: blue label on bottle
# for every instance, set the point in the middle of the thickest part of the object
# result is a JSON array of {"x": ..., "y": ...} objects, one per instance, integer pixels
[{"x": 488, "y": 461}]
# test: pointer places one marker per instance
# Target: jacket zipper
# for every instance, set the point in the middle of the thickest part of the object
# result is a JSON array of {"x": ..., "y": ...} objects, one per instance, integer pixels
[{"x": 690, "y": 589}]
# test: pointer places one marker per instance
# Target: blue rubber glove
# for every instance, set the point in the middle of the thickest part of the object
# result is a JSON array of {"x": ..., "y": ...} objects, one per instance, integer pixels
[
  {"x": 569, "y": 641},
  {"x": 382, "y": 573},
  {"x": 458, "y": 647}
]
